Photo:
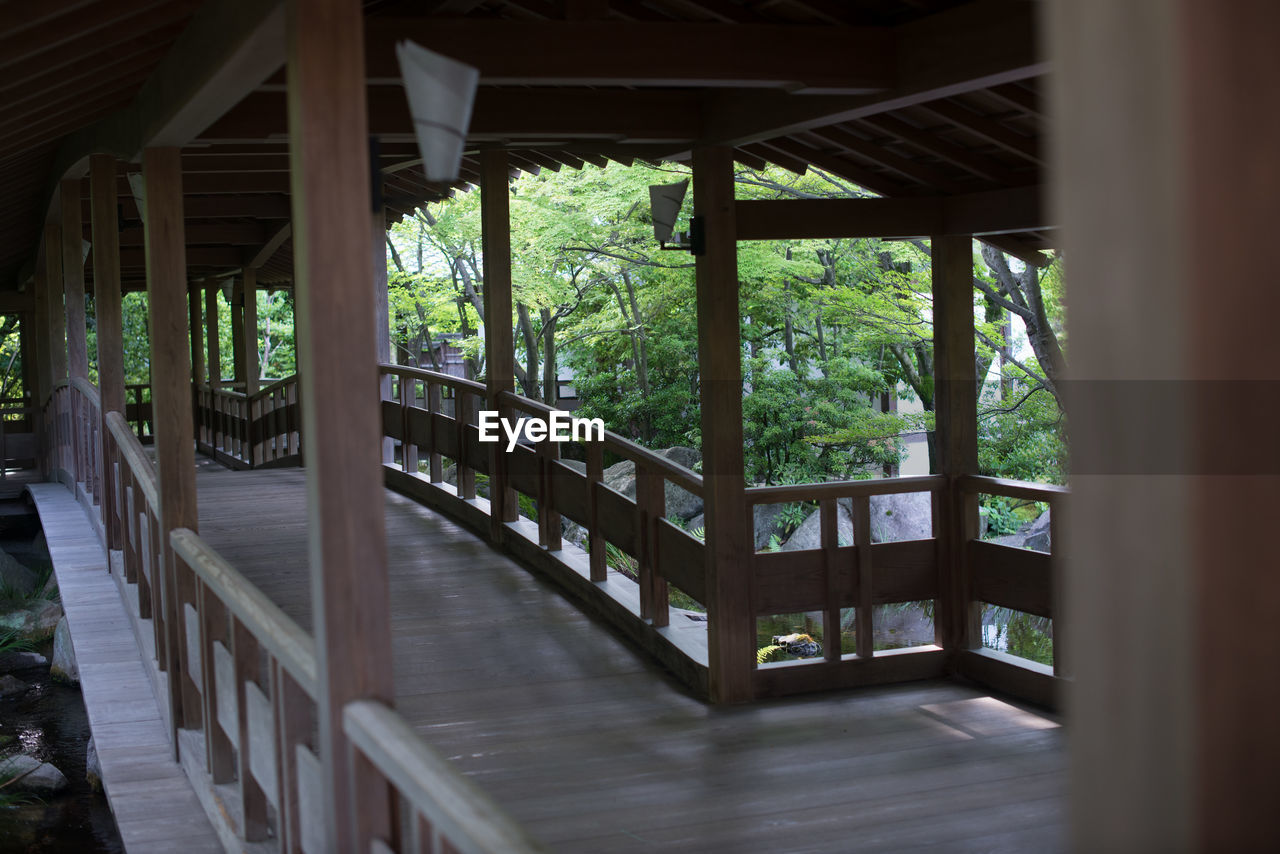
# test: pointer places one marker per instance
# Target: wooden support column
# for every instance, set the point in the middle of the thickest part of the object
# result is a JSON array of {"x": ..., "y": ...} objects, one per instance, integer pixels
[
  {"x": 249, "y": 334},
  {"x": 731, "y": 623},
  {"x": 1169, "y": 195},
  {"x": 171, "y": 404},
  {"x": 956, "y": 431},
  {"x": 73, "y": 278},
  {"x": 382, "y": 310},
  {"x": 196, "y": 325},
  {"x": 211, "y": 329},
  {"x": 499, "y": 343},
  {"x": 107, "y": 302},
  {"x": 341, "y": 413},
  {"x": 237, "y": 333},
  {"x": 54, "y": 293}
]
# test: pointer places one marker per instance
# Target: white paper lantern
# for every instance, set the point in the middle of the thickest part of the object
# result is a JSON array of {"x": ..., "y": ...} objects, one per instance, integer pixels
[{"x": 441, "y": 91}]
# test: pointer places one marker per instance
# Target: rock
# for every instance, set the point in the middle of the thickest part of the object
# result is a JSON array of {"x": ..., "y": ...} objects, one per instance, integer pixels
[
  {"x": 92, "y": 767},
  {"x": 64, "y": 667},
  {"x": 577, "y": 465},
  {"x": 767, "y": 519},
  {"x": 621, "y": 477},
  {"x": 1038, "y": 542},
  {"x": 11, "y": 686},
  {"x": 32, "y": 775},
  {"x": 39, "y": 545},
  {"x": 12, "y": 660},
  {"x": 903, "y": 516},
  {"x": 33, "y": 621},
  {"x": 809, "y": 534},
  {"x": 16, "y": 578},
  {"x": 1037, "y": 534},
  {"x": 697, "y": 522},
  {"x": 50, "y": 588}
]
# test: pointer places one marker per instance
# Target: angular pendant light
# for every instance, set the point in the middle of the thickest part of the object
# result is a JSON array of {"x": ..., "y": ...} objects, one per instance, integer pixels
[{"x": 441, "y": 91}]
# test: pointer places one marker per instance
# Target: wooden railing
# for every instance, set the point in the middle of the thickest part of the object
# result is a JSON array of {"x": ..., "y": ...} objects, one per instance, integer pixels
[
  {"x": 73, "y": 439},
  {"x": 18, "y": 432},
  {"x": 138, "y": 410},
  {"x": 836, "y": 576},
  {"x": 242, "y": 431},
  {"x": 424, "y": 420}
]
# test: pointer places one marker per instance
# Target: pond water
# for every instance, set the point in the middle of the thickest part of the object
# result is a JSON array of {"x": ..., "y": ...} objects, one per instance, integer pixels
[{"x": 48, "y": 721}]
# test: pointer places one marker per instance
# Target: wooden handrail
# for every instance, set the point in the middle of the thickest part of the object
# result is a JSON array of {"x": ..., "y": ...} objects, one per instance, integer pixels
[
  {"x": 88, "y": 389},
  {"x": 1012, "y": 488},
  {"x": 843, "y": 489},
  {"x": 674, "y": 472},
  {"x": 433, "y": 376},
  {"x": 275, "y": 630},
  {"x": 130, "y": 449},
  {"x": 463, "y": 814}
]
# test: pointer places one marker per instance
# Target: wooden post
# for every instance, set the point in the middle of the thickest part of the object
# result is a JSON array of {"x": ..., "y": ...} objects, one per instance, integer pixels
[
  {"x": 171, "y": 407},
  {"x": 73, "y": 278},
  {"x": 499, "y": 346},
  {"x": 382, "y": 310},
  {"x": 196, "y": 325},
  {"x": 42, "y": 343},
  {"x": 57, "y": 314},
  {"x": 341, "y": 414},
  {"x": 108, "y": 305},
  {"x": 237, "y": 333},
  {"x": 211, "y": 324},
  {"x": 731, "y": 623},
  {"x": 249, "y": 336},
  {"x": 956, "y": 431}
]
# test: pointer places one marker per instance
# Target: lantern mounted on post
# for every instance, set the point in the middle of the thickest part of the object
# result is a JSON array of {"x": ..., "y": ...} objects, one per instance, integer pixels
[
  {"x": 665, "y": 201},
  {"x": 441, "y": 92}
]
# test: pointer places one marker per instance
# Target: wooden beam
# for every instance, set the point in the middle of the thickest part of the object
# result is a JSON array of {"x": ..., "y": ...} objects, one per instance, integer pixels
[
  {"x": 197, "y": 256},
  {"x": 228, "y": 48},
  {"x": 935, "y": 60},
  {"x": 171, "y": 403},
  {"x": 329, "y": 147},
  {"x": 271, "y": 246},
  {"x": 731, "y": 628},
  {"x": 500, "y": 115},
  {"x": 499, "y": 345},
  {"x": 613, "y": 53},
  {"x": 236, "y": 234},
  {"x": 989, "y": 212},
  {"x": 989, "y": 129}
]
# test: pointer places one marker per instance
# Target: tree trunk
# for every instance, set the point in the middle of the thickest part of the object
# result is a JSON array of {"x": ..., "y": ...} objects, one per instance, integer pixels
[
  {"x": 529, "y": 380},
  {"x": 550, "y": 382}
]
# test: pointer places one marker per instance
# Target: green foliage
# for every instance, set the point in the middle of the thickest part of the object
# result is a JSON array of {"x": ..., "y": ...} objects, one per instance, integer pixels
[{"x": 1024, "y": 635}]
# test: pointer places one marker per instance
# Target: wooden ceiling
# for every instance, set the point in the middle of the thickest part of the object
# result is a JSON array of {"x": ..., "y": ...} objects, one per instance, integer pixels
[{"x": 903, "y": 97}]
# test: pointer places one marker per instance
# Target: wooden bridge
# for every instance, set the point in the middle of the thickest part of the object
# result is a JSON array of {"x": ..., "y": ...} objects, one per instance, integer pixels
[{"x": 513, "y": 708}]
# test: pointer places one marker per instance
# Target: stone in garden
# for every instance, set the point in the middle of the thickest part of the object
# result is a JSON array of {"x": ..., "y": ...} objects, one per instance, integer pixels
[
  {"x": 767, "y": 519},
  {"x": 92, "y": 767},
  {"x": 902, "y": 516},
  {"x": 64, "y": 667},
  {"x": 32, "y": 775},
  {"x": 12, "y": 660},
  {"x": 14, "y": 577},
  {"x": 33, "y": 621},
  {"x": 11, "y": 686},
  {"x": 680, "y": 504},
  {"x": 809, "y": 534}
]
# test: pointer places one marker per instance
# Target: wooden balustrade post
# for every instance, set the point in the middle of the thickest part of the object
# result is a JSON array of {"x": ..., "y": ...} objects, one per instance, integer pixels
[
  {"x": 731, "y": 624},
  {"x": 253, "y": 801},
  {"x": 499, "y": 343},
  {"x": 650, "y": 506},
  {"x": 293, "y": 727},
  {"x": 956, "y": 432},
  {"x": 829, "y": 537},
  {"x": 595, "y": 483},
  {"x": 39, "y": 344},
  {"x": 341, "y": 412},
  {"x": 171, "y": 408},
  {"x": 865, "y": 626},
  {"x": 408, "y": 448},
  {"x": 381, "y": 303},
  {"x": 219, "y": 752}
]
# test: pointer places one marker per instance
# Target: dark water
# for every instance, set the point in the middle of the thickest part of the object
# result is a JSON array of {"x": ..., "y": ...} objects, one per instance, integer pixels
[{"x": 48, "y": 721}]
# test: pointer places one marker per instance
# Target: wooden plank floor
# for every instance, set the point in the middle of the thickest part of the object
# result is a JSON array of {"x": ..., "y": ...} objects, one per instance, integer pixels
[
  {"x": 154, "y": 805},
  {"x": 594, "y": 749}
]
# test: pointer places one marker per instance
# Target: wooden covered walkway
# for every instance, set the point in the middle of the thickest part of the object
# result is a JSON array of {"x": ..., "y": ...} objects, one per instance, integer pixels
[{"x": 593, "y": 748}]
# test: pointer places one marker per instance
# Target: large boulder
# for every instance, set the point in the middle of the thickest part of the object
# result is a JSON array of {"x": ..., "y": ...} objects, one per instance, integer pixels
[
  {"x": 31, "y": 775},
  {"x": 32, "y": 621},
  {"x": 809, "y": 534},
  {"x": 1037, "y": 534},
  {"x": 16, "y": 579},
  {"x": 64, "y": 667},
  {"x": 92, "y": 767},
  {"x": 767, "y": 521},
  {"x": 902, "y": 516},
  {"x": 681, "y": 504},
  {"x": 13, "y": 660},
  {"x": 11, "y": 686}
]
